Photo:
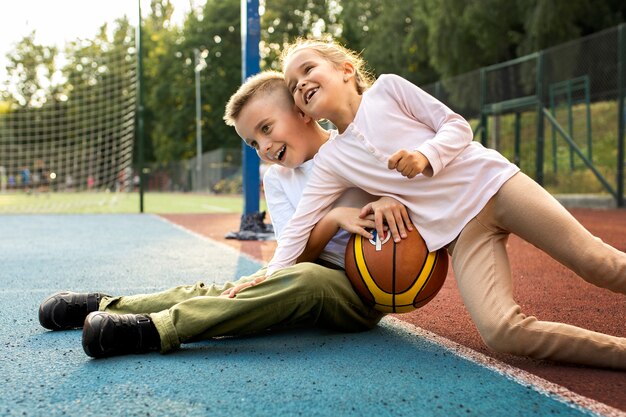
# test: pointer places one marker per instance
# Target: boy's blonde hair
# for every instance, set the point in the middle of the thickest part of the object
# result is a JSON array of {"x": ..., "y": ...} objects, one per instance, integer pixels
[
  {"x": 262, "y": 83},
  {"x": 336, "y": 54}
]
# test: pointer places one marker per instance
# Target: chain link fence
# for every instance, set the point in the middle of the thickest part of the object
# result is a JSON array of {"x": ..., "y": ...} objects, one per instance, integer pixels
[
  {"x": 219, "y": 172},
  {"x": 555, "y": 113}
]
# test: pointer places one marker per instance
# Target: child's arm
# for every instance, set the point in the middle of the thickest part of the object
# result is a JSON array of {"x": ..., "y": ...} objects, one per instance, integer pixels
[
  {"x": 346, "y": 218},
  {"x": 283, "y": 189},
  {"x": 358, "y": 220},
  {"x": 322, "y": 190},
  {"x": 349, "y": 218},
  {"x": 452, "y": 132},
  {"x": 279, "y": 205}
]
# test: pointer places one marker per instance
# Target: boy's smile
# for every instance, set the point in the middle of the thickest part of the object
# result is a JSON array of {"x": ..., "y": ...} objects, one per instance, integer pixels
[{"x": 273, "y": 126}]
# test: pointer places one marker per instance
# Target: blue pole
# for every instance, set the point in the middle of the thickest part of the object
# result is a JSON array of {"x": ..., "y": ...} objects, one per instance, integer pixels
[{"x": 250, "y": 38}]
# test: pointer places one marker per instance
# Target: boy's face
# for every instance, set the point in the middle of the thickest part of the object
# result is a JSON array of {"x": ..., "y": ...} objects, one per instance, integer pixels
[{"x": 274, "y": 127}]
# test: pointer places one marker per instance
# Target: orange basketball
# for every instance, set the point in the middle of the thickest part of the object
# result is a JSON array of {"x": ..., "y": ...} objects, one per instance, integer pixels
[{"x": 395, "y": 277}]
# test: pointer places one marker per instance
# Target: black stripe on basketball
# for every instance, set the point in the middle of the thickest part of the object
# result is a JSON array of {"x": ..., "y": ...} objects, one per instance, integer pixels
[{"x": 393, "y": 279}]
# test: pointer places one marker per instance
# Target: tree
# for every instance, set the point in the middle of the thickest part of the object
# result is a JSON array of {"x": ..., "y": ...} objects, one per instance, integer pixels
[
  {"x": 169, "y": 69},
  {"x": 390, "y": 37},
  {"x": 286, "y": 20},
  {"x": 30, "y": 69},
  {"x": 160, "y": 71},
  {"x": 96, "y": 70}
]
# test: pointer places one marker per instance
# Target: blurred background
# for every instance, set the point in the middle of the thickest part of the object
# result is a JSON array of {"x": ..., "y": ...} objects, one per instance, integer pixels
[{"x": 541, "y": 81}]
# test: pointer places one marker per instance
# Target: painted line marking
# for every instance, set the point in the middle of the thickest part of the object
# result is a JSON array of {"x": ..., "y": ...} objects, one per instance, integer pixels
[
  {"x": 520, "y": 376},
  {"x": 208, "y": 239}
]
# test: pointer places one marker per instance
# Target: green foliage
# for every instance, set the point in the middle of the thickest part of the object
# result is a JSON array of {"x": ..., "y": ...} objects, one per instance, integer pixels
[
  {"x": 391, "y": 39},
  {"x": 169, "y": 75},
  {"x": 30, "y": 70},
  {"x": 422, "y": 40},
  {"x": 233, "y": 185},
  {"x": 112, "y": 202},
  {"x": 564, "y": 177},
  {"x": 286, "y": 20}
]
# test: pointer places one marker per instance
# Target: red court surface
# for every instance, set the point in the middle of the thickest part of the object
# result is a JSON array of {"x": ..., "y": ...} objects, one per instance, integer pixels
[{"x": 543, "y": 288}]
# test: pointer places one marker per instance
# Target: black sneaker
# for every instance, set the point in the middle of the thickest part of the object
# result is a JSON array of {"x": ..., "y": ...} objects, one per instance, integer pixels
[
  {"x": 107, "y": 334},
  {"x": 67, "y": 310}
]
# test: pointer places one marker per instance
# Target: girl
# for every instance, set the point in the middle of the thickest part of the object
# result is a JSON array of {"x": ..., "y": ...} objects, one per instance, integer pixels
[{"x": 396, "y": 140}]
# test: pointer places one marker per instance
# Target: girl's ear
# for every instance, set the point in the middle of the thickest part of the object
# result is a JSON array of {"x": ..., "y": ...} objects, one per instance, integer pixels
[{"x": 348, "y": 71}]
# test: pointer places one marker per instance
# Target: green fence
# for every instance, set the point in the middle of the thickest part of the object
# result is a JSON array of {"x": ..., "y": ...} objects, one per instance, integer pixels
[{"x": 558, "y": 113}]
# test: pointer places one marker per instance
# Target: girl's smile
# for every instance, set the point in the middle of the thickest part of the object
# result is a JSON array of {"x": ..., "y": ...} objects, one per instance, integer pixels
[{"x": 322, "y": 89}]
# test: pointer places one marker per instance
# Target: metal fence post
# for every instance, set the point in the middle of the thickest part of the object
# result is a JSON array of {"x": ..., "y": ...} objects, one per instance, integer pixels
[
  {"x": 140, "y": 110},
  {"x": 540, "y": 124},
  {"x": 621, "y": 112},
  {"x": 483, "y": 116}
]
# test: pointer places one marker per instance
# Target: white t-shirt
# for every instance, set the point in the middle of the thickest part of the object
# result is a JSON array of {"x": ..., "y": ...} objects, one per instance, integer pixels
[
  {"x": 396, "y": 114},
  {"x": 283, "y": 190}
]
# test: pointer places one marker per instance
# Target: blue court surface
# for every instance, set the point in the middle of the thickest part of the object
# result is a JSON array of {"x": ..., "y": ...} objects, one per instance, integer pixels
[{"x": 390, "y": 371}]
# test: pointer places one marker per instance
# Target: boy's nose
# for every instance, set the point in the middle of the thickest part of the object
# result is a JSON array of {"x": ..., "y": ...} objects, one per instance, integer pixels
[{"x": 265, "y": 146}]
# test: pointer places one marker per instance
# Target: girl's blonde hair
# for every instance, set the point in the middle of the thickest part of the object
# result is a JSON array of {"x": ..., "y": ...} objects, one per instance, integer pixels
[{"x": 336, "y": 54}]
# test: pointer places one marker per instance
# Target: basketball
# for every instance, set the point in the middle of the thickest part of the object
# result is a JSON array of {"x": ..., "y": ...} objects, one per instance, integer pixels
[{"x": 395, "y": 277}]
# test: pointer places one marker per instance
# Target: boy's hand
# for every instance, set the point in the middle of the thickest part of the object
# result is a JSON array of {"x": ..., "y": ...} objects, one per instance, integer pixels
[
  {"x": 390, "y": 211},
  {"x": 349, "y": 219},
  {"x": 408, "y": 163},
  {"x": 232, "y": 292}
]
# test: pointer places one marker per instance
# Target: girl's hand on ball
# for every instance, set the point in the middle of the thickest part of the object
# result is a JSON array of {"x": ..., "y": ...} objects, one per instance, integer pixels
[
  {"x": 349, "y": 219},
  {"x": 389, "y": 214}
]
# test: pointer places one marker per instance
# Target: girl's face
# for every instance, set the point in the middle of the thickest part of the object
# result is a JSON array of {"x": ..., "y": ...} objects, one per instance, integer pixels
[
  {"x": 274, "y": 127},
  {"x": 316, "y": 83}
]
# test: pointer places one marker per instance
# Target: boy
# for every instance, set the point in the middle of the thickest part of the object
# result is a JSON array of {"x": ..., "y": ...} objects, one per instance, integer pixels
[{"x": 314, "y": 294}]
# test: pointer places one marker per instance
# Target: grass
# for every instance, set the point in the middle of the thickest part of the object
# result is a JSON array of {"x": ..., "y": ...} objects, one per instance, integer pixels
[
  {"x": 564, "y": 173},
  {"x": 102, "y": 202}
]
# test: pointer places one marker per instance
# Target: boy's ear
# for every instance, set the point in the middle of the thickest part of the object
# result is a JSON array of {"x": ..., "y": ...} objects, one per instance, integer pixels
[{"x": 306, "y": 119}]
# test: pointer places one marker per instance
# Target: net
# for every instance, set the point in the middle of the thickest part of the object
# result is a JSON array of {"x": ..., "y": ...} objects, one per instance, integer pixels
[{"x": 81, "y": 137}]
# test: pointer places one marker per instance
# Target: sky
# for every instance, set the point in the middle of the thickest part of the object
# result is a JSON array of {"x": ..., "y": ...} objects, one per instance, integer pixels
[{"x": 59, "y": 21}]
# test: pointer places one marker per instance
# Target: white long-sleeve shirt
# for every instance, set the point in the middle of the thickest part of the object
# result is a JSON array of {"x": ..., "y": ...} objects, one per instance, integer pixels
[
  {"x": 395, "y": 114},
  {"x": 283, "y": 190}
]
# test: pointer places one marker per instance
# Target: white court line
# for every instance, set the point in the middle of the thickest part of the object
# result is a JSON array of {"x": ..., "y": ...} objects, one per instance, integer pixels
[
  {"x": 216, "y": 208},
  {"x": 208, "y": 239},
  {"x": 542, "y": 386},
  {"x": 520, "y": 376}
]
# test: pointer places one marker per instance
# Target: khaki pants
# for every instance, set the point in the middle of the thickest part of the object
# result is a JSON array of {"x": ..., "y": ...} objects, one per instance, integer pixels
[
  {"x": 483, "y": 274},
  {"x": 305, "y": 294}
]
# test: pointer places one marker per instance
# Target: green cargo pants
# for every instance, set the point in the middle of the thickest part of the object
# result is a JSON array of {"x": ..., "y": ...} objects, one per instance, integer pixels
[{"x": 305, "y": 294}]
